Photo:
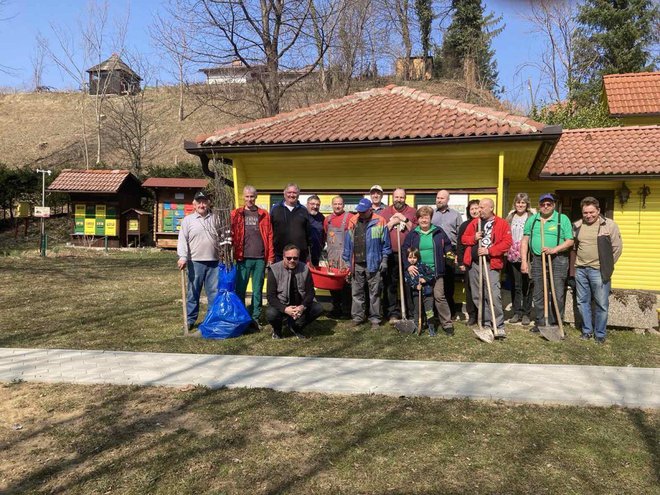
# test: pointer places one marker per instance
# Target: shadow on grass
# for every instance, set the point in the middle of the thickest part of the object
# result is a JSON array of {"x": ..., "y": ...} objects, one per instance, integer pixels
[{"x": 650, "y": 436}]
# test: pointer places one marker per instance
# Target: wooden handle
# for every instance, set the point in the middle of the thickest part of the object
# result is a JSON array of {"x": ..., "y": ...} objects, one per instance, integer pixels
[
  {"x": 545, "y": 277},
  {"x": 403, "y": 302},
  {"x": 183, "y": 302}
]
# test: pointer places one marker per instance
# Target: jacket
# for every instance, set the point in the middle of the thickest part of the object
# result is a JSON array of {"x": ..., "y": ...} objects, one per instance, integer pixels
[
  {"x": 238, "y": 233},
  {"x": 441, "y": 246},
  {"x": 291, "y": 227},
  {"x": 378, "y": 241},
  {"x": 610, "y": 246},
  {"x": 501, "y": 242}
]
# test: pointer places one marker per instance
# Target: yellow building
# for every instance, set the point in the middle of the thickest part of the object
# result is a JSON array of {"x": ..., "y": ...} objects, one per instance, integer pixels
[{"x": 401, "y": 137}]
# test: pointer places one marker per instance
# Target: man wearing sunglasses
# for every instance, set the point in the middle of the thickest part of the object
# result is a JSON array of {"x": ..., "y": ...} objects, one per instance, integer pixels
[
  {"x": 557, "y": 241},
  {"x": 291, "y": 294}
]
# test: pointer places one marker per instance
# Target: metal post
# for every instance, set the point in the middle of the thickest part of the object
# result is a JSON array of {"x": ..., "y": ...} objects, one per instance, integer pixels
[{"x": 42, "y": 243}]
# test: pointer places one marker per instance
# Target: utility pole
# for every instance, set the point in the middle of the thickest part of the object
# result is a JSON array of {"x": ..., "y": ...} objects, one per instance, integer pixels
[{"x": 43, "y": 204}]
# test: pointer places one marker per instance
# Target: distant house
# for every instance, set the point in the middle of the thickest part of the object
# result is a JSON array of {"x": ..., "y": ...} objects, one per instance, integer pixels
[
  {"x": 113, "y": 77},
  {"x": 238, "y": 73},
  {"x": 418, "y": 70},
  {"x": 633, "y": 98}
]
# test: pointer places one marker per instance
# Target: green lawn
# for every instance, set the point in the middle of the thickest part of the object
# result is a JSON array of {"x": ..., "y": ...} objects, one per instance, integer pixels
[
  {"x": 131, "y": 440},
  {"x": 131, "y": 300}
]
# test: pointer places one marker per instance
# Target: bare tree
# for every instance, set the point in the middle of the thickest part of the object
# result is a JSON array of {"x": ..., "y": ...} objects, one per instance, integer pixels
[
  {"x": 555, "y": 21},
  {"x": 269, "y": 39},
  {"x": 400, "y": 15},
  {"x": 73, "y": 52},
  {"x": 350, "y": 43},
  {"x": 37, "y": 62}
]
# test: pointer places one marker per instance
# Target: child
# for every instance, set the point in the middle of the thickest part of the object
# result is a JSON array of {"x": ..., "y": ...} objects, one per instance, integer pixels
[{"x": 423, "y": 280}]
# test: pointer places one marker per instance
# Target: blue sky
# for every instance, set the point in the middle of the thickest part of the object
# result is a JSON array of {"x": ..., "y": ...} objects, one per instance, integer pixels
[{"x": 23, "y": 19}]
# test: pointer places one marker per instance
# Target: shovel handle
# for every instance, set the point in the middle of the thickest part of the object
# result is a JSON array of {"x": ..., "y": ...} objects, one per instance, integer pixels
[
  {"x": 183, "y": 302},
  {"x": 554, "y": 298}
]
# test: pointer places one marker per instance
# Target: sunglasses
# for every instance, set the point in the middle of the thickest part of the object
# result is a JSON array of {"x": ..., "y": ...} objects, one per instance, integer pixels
[{"x": 291, "y": 258}]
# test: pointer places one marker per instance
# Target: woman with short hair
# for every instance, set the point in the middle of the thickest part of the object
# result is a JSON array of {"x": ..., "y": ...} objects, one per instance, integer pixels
[{"x": 521, "y": 295}]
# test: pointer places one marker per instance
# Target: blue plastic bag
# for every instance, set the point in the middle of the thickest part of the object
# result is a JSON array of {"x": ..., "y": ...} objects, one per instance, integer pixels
[{"x": 227, "y": 316}]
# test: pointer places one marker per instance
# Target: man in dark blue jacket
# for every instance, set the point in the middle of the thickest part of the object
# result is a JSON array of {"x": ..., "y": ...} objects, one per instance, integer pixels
[{"x": 291, "y": 224}]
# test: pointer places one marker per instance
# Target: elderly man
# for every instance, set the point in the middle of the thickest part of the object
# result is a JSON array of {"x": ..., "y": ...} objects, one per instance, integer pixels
[
  {"x": 197, "y": 249},
  {"x": 376, "y": 195},
  {"x": 448, "y": 220},
  {"x": 491, "y": 239},
  {"x": 291, "y": 224},
  {"x": 252, "y": 239},
  {"x": 598, "y": 246},
  {"x": 401, "y": 219},
  {"x": 366, "y": 247},
  {"x": 335, "y": 227},
  {"x": 557, "y": 240},
  {"x": 316, "y": 225},
  {"x": 291, "y": 294}
]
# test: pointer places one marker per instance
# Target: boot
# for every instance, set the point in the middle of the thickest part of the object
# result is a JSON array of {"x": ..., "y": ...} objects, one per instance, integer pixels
[{"x": 432, "y": 330}]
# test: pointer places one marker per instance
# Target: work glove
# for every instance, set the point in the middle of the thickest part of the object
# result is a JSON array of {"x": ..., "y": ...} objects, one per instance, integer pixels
[{"x": 383, "y": 266}]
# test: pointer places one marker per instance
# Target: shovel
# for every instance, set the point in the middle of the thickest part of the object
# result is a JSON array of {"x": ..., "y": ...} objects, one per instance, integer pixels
[
  {"x": 482, "y": 333},
  {"x": 559, "y": 334},
  {"x": 183, "y": 302},
  {"x": 549, "y": 332},
  {"x": 419, "y": 308},
  {"x": 403, "y": 325}
]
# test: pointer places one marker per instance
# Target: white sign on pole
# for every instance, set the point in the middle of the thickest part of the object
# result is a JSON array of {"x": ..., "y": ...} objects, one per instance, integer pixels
[{"x": 42, "y": 211}]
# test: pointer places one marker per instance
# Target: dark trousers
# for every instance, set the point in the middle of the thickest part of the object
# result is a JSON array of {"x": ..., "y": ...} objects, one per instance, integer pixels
[
  {"x": 448, "y": 278},
  {"x": 559, "y": 275},
  {"x": 391, "y": 290},
  {"x": 276, "y": 318},
  {"x": 470, "y": 307},
  {"x": 341, "y": 301},
  {"x": 521, "y": 295}
]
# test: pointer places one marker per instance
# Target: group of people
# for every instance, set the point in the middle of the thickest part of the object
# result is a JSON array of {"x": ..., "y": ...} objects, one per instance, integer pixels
[{"x": 398, "y": 252}]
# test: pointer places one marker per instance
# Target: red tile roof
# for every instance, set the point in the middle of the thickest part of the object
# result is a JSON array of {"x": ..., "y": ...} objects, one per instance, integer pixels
[
  {"x": 606, "y": 151},
  {"x": 633, "y": 94},
  {"x": 389, "y": 113},
  {"x": 175, "y": 182},
  {"x": 104, "y": 181}
]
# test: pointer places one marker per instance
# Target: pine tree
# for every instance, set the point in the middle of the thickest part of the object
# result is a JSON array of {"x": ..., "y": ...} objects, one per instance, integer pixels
[
  {"x": 614, "y": 37},
  {"x": 466, "y": 52}
]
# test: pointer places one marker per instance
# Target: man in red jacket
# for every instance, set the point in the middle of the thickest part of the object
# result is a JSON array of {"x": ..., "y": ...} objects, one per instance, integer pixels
[
  {"x": 492, "y": 240},
  {"x": 252, "y": 239}
]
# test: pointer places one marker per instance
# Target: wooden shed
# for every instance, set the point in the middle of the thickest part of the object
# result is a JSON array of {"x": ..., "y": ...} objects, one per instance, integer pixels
[
  {"x": 98, "y": 198},
  {"x": 113, "y": 77},
  {"x": 174, "y": 198}
]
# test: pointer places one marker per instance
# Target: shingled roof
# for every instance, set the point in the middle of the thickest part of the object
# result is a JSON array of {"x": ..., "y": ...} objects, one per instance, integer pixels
[
  {"x": 633, "y": 150},
  {"x": 102, "y": 181},
  {"x": 181, "y": 182},
  {"x": 389, "y": 113},
  {"x": 633, "y": 94}
]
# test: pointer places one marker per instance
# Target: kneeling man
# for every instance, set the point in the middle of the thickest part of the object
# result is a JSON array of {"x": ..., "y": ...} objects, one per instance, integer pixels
[{"x": 291, "y": 294}]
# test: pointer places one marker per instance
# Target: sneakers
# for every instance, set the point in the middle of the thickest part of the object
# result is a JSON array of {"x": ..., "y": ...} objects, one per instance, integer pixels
[
  {"x": 300, "y": 336},
  {"x": 449, "y": 330},
  {"x": 600, "y": 340},
  {"x": 585, "y": 336},
  {"x": 276, "y": 336},
  {"x": 355, "y": 324},
  {"x": 516, "y": 318},
  {"x": 375, "y": 325},
  {"x": 432, "y": 331},
  {"x": 534, "y": 329},
  {"x": 393, "y": 320},
  {"x": 525, "y": 320},
  {"x": 471, "y": 322},
  {"x": 500, "y": 333}
]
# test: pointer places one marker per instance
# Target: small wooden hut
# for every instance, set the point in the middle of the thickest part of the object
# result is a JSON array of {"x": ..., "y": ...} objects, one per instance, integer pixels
[{"x": 113, "y": 77}]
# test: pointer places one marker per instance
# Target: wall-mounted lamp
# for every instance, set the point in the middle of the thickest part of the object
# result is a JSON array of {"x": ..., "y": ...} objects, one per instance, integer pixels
[
  {"x": 644, "y": 192},
  {"x": 624, "y": 194}
]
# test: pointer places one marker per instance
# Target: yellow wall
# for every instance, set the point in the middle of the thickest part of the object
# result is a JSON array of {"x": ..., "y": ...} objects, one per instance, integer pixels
[
  {"x": 639, "y": 265},
  {"x": 640, "y": 120}
]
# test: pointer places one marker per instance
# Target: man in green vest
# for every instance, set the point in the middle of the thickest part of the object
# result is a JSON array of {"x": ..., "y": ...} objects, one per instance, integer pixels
[{"x": 556, "y": 242}]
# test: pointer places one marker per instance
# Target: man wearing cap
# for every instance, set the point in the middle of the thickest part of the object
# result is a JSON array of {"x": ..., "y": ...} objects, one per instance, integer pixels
[
  {"x": 598, "y": 246},
  {"x": 252, "y": 239},
  {"x": 291, "y": 294},
  {"x": 316, "y": 219},
  {"x": 450, "y": 221},
  {"x": 366, "y": 247},
  {"x": 376, "y": 195},
  {"x": 557, "y": 241},
  {"x": 197, "y": 249},
  {"x": 401, "y": 219},
  {"x": 291, "y": 225}
]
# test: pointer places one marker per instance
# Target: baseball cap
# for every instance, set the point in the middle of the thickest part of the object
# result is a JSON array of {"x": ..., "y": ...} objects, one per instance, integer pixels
[
  {"x": 547, "y": 196},
  {"x": 363, "y": 205},
  {"x": 376, "y": 187},
  {"x": 200, "y": 195}
]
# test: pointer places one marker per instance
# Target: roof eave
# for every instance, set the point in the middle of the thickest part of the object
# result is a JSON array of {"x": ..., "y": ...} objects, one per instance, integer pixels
[
  {"x": 597, "y": 176},
  {"x": 626, "y": 115},
  {"x": 549, "y": 133}
]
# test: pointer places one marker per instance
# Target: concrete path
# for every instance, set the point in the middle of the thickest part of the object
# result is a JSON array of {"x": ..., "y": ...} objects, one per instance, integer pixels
[{"x": 530, "y": 383}]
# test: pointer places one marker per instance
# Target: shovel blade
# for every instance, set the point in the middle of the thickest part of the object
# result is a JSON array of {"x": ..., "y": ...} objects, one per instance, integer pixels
[
  {"x": 551, "y": 332},
  {"x": 484, "y": 335},
  {"x": 406, "y": 326}
]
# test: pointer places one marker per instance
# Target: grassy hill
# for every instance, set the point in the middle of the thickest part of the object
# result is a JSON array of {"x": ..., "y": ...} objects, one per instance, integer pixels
[{"x": 46, "y": 129}]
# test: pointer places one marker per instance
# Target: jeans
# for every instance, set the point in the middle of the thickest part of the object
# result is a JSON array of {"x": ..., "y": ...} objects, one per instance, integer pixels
[
  {"x": 275, "y": 318},
  {"x": 495, "y": 288},
  {"x": 372, "y": 281},
  {"x": 589, "y": 285},
  {"x": 255, "y": 268},
  {"x": 559, "y": 275},
  {"x": 200, "y": 274},
  {"x": 521, "y": 296}
]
